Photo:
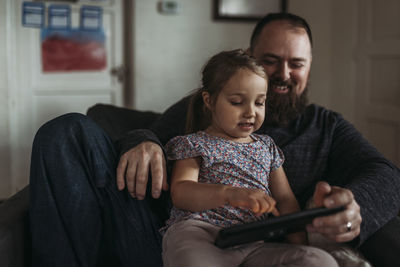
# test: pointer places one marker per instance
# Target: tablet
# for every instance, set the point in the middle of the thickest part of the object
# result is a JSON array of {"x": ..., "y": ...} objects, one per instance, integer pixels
[{"x": 270, "y": 229}]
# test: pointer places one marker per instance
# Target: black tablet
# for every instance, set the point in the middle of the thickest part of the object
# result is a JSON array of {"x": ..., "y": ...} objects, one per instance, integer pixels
[{"x": 270, "y": 229}]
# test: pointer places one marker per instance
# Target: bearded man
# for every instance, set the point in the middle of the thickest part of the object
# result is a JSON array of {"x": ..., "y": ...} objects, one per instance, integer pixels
[{"x": 80, "y": 215}]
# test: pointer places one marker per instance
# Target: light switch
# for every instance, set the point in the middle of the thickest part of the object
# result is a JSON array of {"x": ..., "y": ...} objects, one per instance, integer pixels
[{"x": 169, "y": 7}]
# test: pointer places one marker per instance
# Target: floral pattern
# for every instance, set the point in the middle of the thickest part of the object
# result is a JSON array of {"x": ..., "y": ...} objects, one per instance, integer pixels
[{"x": 226, "y": 162}]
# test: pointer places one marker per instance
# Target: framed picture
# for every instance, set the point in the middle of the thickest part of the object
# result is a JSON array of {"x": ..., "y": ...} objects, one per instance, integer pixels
[
  {"x": 249, "y": 10},
  {"x": 69, "y": 1}
]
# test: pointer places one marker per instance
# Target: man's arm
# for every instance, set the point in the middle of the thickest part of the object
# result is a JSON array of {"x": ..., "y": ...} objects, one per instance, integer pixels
[
  {"x": 373, "y": 180},
  {"x": 141, "y": 152},
  {"x": 170, "y": 124},
  {"x": 173, "y": 121}
]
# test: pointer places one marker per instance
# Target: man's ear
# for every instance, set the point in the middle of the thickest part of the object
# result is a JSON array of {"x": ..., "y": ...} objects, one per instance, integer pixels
[{"x": 207, "y": 99}]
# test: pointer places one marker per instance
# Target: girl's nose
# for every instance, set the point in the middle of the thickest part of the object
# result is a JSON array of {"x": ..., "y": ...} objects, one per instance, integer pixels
[{"x": 250, "y": 111}]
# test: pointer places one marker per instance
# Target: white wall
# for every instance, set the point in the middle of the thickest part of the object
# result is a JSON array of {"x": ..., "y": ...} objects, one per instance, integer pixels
[
  {"x": 5, "y": 181},
  {"x": 170, "y": 50}
]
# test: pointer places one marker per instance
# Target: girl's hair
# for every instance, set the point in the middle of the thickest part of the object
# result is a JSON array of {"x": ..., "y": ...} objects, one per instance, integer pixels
[{"x": 216, "y": 73}]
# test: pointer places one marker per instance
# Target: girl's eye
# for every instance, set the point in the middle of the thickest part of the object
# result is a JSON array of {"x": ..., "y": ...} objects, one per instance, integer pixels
[
  {"x": 260, "y": 103},
  {"x": 236, "y": 103}
]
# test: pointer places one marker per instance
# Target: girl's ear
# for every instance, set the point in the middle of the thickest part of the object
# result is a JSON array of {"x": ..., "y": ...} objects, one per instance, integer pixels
[{"x": 206, "y": 99}]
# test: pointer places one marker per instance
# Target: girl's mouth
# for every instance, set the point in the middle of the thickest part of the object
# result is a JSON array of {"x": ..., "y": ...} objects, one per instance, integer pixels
[{"x": 246, "y": 126}]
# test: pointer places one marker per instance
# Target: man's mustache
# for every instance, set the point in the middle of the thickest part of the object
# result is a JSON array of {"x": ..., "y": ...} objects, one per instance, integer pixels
[{"x": 288, "y": 83}]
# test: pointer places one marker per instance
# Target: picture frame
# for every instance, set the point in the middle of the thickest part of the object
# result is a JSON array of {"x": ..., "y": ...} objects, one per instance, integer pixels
[{"x": 247, "y": 10}]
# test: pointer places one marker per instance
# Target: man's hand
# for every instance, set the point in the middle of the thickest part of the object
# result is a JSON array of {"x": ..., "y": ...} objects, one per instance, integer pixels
[
  {"x": 336, "y": 227},
  {"x": 133, "y": 170}
]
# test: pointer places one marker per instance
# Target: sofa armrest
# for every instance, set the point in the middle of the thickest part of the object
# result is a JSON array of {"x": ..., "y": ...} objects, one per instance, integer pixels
[{"x": 14, "y": 230}]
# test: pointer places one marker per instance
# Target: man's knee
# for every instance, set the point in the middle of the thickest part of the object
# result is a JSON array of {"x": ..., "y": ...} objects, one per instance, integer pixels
[{"x": 68, "y": 125}]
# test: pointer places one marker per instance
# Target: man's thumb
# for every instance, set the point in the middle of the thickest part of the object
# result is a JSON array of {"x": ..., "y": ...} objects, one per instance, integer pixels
[{"x": 322, "y": 189}]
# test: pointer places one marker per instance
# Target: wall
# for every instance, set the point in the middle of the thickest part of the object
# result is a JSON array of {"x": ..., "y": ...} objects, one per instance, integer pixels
[
  {"x": 169, "y": 50},
  {"x": 5, "y": 181},
  {"x": 343, "y": 73}
]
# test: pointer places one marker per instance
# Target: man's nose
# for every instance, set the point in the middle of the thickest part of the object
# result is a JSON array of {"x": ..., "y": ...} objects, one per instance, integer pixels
[{"x": 283, "y": 72}]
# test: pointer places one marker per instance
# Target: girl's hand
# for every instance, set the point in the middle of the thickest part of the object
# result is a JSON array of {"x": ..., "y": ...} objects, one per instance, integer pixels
[{"x": 255, "y": 200}]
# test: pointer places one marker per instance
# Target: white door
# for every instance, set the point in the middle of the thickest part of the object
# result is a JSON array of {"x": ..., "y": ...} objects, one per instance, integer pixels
[
  {"x": 378, "y": 75},
  {"x": 38, "y": 96}
]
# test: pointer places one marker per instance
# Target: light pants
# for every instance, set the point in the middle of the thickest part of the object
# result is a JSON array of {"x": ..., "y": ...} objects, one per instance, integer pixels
[{"x": 190, "y": 243}]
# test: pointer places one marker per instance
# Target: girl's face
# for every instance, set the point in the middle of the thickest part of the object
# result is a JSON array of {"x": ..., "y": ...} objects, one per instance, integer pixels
[{"x": 239, "y": 108}]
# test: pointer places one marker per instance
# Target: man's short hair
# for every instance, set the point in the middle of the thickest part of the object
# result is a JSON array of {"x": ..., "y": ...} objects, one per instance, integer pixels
[{"x": 294, "y": 20}]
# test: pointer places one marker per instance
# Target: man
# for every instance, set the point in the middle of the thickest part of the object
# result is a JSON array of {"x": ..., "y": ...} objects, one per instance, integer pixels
[{"x": 80, "y": 218}]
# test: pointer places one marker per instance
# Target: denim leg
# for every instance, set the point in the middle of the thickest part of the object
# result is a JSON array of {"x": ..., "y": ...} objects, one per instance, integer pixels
[{"x": 78, "y": 216}]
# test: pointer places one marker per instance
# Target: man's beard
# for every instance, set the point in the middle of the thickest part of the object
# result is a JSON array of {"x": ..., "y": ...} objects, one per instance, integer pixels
[{"x": 281, "y": 109}]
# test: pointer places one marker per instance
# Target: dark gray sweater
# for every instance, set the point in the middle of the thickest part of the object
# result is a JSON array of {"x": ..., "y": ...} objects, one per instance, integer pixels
[{"x": 319, "y": 145}]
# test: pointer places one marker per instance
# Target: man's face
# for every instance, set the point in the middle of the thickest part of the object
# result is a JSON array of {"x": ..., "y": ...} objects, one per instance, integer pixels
[{"x": 285, "y": 53}]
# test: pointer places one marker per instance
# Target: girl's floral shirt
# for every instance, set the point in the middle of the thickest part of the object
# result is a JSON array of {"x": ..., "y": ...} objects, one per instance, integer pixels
[{"x": 226, "y": 162}]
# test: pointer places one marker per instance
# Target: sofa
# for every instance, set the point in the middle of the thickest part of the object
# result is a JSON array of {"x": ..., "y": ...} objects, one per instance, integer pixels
[{"x": 15, "y": 243}]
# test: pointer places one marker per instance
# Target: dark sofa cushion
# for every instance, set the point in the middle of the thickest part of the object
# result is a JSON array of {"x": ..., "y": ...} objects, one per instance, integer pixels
[
  {"x": 14, "y": 231},
  {"x": 117, "y": 121}
]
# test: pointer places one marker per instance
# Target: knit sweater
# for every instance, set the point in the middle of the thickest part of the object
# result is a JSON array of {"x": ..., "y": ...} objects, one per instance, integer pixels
[{"x": 319, "y": 145}]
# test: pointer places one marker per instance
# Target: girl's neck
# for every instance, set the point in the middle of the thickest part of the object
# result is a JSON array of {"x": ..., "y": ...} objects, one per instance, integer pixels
[{"x": 214, "y": 132}]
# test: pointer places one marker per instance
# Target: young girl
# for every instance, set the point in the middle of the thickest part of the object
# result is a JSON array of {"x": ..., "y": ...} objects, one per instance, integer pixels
[{"x": 224, "y": 174}]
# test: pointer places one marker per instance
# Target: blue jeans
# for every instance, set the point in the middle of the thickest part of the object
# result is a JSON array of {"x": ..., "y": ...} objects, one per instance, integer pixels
[{"x": 78, "y": 216}]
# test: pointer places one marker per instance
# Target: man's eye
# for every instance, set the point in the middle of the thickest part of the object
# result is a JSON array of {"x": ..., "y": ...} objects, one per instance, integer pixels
[
  {"x": 297, "y": 65},
  {"x": 269, "y": 62}
]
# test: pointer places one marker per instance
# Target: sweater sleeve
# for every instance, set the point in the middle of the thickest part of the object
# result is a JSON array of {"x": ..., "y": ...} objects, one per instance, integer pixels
[
  {"x": 374, "y": 180},
  {"x": 170, "y": 124},
  {"x": 134, "y": 138}
]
